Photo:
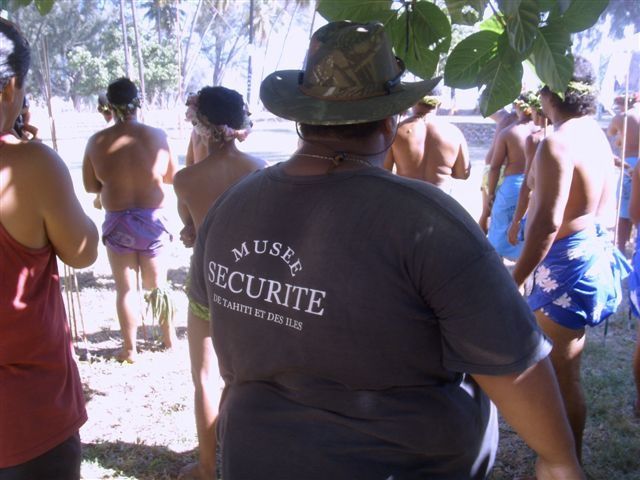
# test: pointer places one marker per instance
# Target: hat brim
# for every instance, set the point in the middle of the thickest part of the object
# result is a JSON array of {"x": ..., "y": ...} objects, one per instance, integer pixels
[{"x": 281, "y": 95}]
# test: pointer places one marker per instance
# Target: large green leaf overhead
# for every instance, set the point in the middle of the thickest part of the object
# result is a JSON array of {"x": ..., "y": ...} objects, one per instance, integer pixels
[
  {"x": 502, "y": 77},
  {"x": 357, "y": 10},
  {"x": 522, "y": 18},
  {"x": 582, "y": 14},
  {"x": 468, "y": 57},
  {"x": 552, "y": 57},
  {"x": 429, "y": 37}
]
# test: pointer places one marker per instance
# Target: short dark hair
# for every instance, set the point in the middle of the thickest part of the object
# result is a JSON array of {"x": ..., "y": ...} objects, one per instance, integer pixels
[
  {"x": 223, "y": 106},
  {"x": 578, "y": 101},
  {"x": 351, "y": 131},
  {"x": 15, "y": 54},
  {"x": 121, "y": 92}
]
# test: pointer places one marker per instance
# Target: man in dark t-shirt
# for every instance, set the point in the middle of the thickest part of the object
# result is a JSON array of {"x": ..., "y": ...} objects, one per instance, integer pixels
[{"x": 353, "y": 341}]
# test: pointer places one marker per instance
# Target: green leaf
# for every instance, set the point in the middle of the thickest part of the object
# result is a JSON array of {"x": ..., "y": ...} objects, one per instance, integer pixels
[
  {"x": 429, "y": 36},
  {"x": 546, "y": 5},
  {"x": 502, "y": 75},
  {"x": 552, "y": 57},
  {"x": 357, "y": 10},
  {"x": 583, "y": 14},
  {"x": 492, "y": 24},
  {"x": 469, "y": 57},
  {"x": 522, "y": 18},
  {"x": 44, "y": 6},
  {"x": 466, "y": 12}
]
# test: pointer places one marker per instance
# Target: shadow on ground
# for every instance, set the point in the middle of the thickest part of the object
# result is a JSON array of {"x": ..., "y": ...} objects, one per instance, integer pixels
[
  {"x": 137, "y": 460},
  {"x": 105, "y": 344}
]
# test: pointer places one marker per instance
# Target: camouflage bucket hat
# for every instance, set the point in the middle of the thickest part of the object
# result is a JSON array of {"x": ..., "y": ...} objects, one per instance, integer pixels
[{"x": 350, "y": 76}]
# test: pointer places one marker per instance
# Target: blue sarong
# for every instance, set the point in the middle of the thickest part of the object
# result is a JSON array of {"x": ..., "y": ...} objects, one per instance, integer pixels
[
  {"x": 626, "y": 188},
  {"x": 634, "y": 280},
  {"x": 579, "y": 281},
  {"x": 504, "y": 207}
]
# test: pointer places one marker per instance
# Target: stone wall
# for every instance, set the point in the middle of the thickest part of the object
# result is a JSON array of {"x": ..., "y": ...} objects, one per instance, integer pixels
[{"x": 477, "y": 134}]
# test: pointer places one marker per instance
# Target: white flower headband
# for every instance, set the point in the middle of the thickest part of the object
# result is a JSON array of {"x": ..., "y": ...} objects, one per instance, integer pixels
[{"x": 220, "y": 133}]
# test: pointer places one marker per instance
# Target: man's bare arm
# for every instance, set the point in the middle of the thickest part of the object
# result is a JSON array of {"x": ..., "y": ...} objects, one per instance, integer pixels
[
  {"x": 523, "y": 195},
  {"x": 634, "y": 202},
  {"x": 531, "y": 403},
  {"x": 553, "y": 182},
  {"x": 188, "y": 233},
  {"x": 172, "y": 166},
  {"x": 89, "y": 179},
  {"x": 71, "y": 232},
  {"x": 462, "y": 168},
  {"x": 497, "y": 160}
]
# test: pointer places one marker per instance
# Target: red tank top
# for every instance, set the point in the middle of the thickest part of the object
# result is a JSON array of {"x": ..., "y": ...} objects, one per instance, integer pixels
[{"x": 41, "y": 401}]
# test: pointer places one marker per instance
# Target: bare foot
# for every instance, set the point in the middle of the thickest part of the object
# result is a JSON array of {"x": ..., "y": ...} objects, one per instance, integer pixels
[
  {"x": 194, "y": 471},
  {"x": 126, "y": 356}
]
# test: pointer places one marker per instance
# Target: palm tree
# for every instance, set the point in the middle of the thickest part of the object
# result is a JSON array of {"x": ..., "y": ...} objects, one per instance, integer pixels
[
  {"x": 138, "y": 50},
  {"x": 125, "y": 41},
  {"x": 164, "y": 13}
]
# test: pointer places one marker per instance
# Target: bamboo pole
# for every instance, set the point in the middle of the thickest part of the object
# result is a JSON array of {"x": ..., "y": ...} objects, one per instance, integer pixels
[{"x": 70, "y": 278}]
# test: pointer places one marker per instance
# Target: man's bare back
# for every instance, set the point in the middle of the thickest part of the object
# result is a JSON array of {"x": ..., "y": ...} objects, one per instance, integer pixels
[
  {"x": 430, "y": 149},
  {"x": 200, "y": 185},
  {"x": 578, "y": 153},
  {"x": 127, "y": 164},
  {"x": 509, "y": 150}
]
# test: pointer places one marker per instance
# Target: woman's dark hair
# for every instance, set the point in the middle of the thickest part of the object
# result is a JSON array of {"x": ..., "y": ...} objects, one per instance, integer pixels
[
  {"x": 223, "y": 106},
  {"x": 15, "y": 54},
  {"x": 347, "y": 132},
  {"x": 582, "y": 98},
  {"x": 121, "y": 92}
]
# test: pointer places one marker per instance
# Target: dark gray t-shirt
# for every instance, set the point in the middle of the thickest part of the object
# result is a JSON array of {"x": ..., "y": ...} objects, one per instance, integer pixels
[{"x": 345, "y": 309}]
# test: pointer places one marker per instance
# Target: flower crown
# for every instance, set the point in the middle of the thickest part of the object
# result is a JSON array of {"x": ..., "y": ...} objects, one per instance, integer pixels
[
  {"x": 220, "y": 133},
  {"x": 581, "y": 88},
  {"x": 121, "y": 111},
  {"x": 430, "y": 101}
]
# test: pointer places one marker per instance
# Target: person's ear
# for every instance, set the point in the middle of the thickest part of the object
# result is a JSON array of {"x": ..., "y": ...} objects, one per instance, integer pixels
[{"x": 389, "y": 125}]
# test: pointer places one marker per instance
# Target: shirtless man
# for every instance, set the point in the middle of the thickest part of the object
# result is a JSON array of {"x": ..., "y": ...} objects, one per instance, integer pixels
[
  {"x": 503, "y": 119},
  {"x": 41, "y": 220},
  {"x": 531, "y": 145},
  {"x": 127, "y": 164},
  {"x": 219, "y": 117},
  {"x": 429, "y": 148},
  {"x": 508, "y": 152},
  {"x": 631, "y": 152},
  {"x": 574, "y": 282}
]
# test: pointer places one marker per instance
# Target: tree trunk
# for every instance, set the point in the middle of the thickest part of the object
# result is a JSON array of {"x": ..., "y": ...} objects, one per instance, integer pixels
[
  {"x": 138, "y": 51},
  {"x": 125, "y": 42}
]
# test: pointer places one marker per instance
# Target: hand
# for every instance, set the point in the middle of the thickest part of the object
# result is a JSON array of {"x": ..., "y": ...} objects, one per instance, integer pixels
[
  {"x": 546, "y": 471},
  {"x": 512, "y": 233},
  {"x": 188, "y": 235}
]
